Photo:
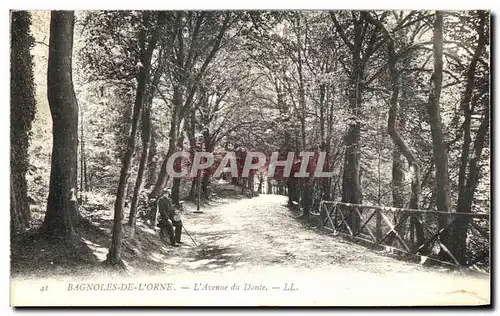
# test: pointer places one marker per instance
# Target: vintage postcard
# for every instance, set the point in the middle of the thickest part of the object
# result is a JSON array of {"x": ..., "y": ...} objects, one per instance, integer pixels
[{"x": 250, "y": 158}]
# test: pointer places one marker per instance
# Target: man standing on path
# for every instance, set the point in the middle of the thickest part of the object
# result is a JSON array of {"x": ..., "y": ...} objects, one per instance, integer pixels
[{"x": 170, "y": 218}]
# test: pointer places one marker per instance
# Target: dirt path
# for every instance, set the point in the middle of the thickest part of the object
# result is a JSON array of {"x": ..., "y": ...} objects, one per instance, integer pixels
[
  {"x": 256, "y": 243},
  {"x": 260, "y": 235}
]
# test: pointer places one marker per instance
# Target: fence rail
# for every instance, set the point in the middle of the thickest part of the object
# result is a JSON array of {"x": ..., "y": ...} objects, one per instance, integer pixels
[{"x": 432, "y": 234}]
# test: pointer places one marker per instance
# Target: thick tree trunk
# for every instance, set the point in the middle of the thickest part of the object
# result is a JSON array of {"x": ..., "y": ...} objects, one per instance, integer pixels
[
  {"x": 176, "y": 183},
  {"x": 82, "y": 158},
  {"x": 22, "y": 113},
  {"x": 351, "y": 186},
  {"x": 114, "y": 255},
  {"x": 62, "y": 202}
]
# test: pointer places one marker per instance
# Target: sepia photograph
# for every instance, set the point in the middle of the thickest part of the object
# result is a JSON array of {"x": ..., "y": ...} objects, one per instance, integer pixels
[{"x": 333, "y": 158}]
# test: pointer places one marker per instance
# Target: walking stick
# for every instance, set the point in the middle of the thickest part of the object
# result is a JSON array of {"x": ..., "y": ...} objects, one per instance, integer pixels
[{"x": 189, "y": 235}]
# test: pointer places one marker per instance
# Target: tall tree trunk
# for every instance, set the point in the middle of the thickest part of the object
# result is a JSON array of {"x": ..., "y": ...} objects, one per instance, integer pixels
[
  {"x": 209, "y": 147},
  {"x": 178, "y": 143},
  {"x": 81, "y": 157},
  {"x": 22, "y": 113},
  {"x": 62, "y": 203},
  {"x": 351, "y": 187},
  {"x": 146, "y": 140},
  {"x": 465, "y": 197},
  {"x": 114, "y": 255},
  {"x": 325, "y": 182},
  {"x": 151, "y": 178},
  {"x": 191, "y": 130},
  {"x": 176, "y": 186},
  {"x": 443, "y": 203}
]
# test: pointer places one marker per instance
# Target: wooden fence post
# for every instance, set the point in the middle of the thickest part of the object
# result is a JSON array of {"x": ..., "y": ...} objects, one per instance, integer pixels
[{"x": 378, "y": 232}]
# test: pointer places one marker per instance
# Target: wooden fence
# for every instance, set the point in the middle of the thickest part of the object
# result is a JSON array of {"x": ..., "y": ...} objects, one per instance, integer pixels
[{"x": 411, "y": 231}]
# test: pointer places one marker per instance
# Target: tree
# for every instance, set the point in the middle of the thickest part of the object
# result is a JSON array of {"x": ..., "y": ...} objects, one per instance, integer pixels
[
  {"x": 146, "y": 140},
  {"x": 22, "y": 109},
  {"x": 399, "y": 142},
  {"x": 194, "y": 38},
  {"x": 467, "y": 182},
  {"x": 365, "y": 43},
  {"x": 144, "y": 64},
  {"x": 443, "y": 202},
  {"x": 62, "y": 203}
]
